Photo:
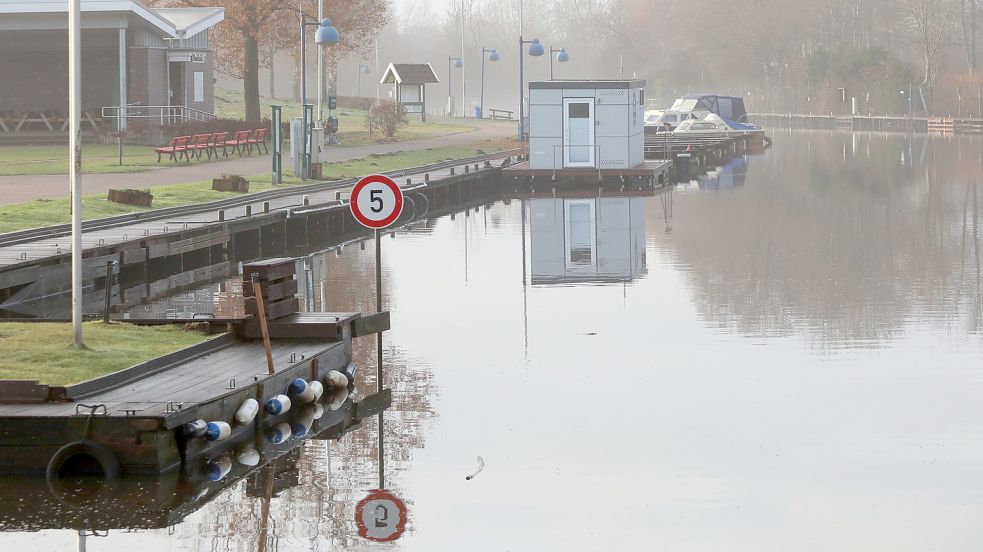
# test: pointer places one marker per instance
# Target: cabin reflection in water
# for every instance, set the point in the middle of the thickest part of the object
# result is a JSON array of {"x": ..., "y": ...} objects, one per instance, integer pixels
[{"x": 587, "y": 239}]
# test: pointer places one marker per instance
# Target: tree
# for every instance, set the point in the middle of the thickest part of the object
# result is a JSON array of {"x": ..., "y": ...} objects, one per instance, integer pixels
[
  {"x": 387, "y": 117},
  {"x": 237, "y": 39},
  {"x": 928, "y": 23}
]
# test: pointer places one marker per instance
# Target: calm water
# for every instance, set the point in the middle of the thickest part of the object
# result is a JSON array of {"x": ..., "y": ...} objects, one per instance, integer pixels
[{"x": 783, "y": 355}]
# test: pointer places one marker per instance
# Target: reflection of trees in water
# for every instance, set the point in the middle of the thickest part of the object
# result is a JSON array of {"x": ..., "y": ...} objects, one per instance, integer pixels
[
  {"x": 318, "y": 514},
  {"x": 843, "y": 238}
]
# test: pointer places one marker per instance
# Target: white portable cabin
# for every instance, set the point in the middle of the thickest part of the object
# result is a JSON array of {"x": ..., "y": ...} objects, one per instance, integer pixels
[{"x": 586, "y": 124}]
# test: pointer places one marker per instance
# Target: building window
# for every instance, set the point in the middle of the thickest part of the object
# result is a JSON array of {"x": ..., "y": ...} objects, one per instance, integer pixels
[
  {"x": 581, "y": 233},
  {"x": 199, "y": 86}
]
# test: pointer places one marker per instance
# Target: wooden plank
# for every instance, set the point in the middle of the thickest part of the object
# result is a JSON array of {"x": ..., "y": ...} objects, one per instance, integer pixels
[
  {"x": 22, "y": 392},
  {"x": 274, "y": 310},
  {"x": 370, "y": 324},
  {"x": 271, "y": 269},
  {"x": 274, "y": 290},
  {"x": 117, "y": 379}
]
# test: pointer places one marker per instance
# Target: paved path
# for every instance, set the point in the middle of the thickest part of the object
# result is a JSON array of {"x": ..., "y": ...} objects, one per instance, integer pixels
[{"x": 18, "y": 189}]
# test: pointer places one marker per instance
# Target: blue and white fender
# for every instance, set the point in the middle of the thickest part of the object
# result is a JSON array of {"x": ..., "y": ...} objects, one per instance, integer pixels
[
  {"x": 277, "y": 405},
  {"x": 301, "y": 390},
  {"x": 302, "y": 425},
  {"x": 218, "y": 431},
  {"x": 247, "y": 411},
  {"x": 218, "y": 468},
  {"x": 318, "y": 389},
  {"x": 278, "y": 433}
]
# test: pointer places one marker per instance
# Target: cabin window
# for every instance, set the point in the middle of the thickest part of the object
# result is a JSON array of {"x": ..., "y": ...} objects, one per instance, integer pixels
[
  {"x": 703, "y": 126},
  {"x": 579, "y": 110}
]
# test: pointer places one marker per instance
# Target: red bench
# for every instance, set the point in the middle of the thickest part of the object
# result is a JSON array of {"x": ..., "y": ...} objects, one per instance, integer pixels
[
  {"x": 240, "y": 141},
  {"x": 259, "y": 139},
  {"x": 199, "y": 143},
  {"x": 177, "y": 147},
  {"x": 218, "y": 140}
]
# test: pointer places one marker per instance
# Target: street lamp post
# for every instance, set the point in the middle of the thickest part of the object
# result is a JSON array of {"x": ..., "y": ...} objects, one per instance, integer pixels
[
  {"x": 535, "y": 50},
  {"x": 457, "y": 63},
  {"x": 362, "y": 70},
  {"x": 492, "y": 55},
  {"x": 75, "y": 159},
  {"x": 326, "y": 35},
  {"x": 561, "y": 55}
]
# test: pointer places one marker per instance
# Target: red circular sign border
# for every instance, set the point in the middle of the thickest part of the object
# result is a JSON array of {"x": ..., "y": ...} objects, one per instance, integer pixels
[
  {"x": 372, "y": 179},
  {"x": 381, "y": 494}
]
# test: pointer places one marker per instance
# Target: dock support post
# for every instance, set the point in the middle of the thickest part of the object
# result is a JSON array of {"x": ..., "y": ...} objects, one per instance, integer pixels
[{"x": 261, "y": 309}]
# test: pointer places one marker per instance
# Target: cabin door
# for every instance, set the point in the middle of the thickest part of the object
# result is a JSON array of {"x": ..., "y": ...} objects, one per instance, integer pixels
[{"x": 578, "y": 132}]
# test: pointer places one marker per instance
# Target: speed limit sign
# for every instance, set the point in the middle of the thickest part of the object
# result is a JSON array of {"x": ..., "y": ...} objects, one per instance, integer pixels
[
  {"x": 376, "y": 201},
  {"x": 381, "y": 516}
]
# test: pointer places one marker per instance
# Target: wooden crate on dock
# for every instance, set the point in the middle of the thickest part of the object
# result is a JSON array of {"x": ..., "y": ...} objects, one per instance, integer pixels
[{"x": 278, "y": 285}]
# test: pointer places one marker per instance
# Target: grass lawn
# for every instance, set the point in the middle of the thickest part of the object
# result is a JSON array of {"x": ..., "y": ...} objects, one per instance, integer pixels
[
  {"x": 405, "y": 159},
  {"x": 43, "y": 350},
  {"x": 96, "y": 159},
  {"x": 45, "y": 212},
  {"x": 351, "y": 122}
]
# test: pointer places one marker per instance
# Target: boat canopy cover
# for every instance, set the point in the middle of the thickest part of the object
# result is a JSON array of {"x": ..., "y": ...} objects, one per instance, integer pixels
[{"x": 728, "y": 107}]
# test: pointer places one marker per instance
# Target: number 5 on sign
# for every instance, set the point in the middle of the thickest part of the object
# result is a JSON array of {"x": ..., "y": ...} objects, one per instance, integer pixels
[{"x": 376, "y": 201}]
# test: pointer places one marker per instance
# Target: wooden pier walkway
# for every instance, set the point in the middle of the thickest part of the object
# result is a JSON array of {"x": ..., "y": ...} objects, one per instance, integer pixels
[{"x": 871, "y": 123}]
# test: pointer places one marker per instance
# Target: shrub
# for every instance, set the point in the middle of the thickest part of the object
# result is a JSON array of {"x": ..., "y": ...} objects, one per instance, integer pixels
[{"x": 386, "y": 117}]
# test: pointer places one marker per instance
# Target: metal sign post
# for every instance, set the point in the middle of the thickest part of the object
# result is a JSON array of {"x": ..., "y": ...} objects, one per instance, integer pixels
[
  {"x": 305, "y": 167},
  {"x": 277, "y": 132},
  {"x": 376, "y": 202}
]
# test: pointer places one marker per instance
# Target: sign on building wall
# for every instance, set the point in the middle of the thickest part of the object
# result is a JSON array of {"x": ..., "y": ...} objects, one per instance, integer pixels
[
  {"x": 199, "y": 86},
  {"x": 197, "y": 57}
]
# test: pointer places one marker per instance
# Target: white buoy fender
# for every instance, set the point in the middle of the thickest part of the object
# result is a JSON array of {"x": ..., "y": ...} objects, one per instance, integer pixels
[
  {"x": 318, "y": 389},
  {"x": 278, "y": 433},
  {"x": 318, "y": 411},
  {"x": 301, "y": 390},
  {"x": 278, "y": 404},
  {"x": 302, "y": 425},
  {"x": 335, "y": 380},
  {"x": 218, "y": 431},
  {"x": 247, "y": 412},
  {"x": 218, "y": 468},
  {"x": 248, "y": 456},
  {"x": 338, "y": 398}
]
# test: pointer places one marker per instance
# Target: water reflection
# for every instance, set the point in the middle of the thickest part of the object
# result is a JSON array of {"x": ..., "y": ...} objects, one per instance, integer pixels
[
  {"x": 839, "y": 239},
  {"x": 587, "y": 239}
]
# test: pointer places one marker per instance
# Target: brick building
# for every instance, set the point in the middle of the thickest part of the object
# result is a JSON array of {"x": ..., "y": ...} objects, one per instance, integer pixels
[{"x": 157, "y": 60}]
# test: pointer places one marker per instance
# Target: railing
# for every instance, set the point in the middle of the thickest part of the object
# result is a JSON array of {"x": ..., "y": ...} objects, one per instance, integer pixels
[{"x": 164, "y": 114}]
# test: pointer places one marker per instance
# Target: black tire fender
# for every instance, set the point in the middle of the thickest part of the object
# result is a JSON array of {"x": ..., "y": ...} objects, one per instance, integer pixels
[{"x": 105, "y": 457}]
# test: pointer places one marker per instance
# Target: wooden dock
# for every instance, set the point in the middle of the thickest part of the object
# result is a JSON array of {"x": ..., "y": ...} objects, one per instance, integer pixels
[
  {"x": 139, "y": 415},
  {"x": 651, "y": 173},
  {"x": 870, "y": 123},
  {"x": 164, "y": 500}
]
